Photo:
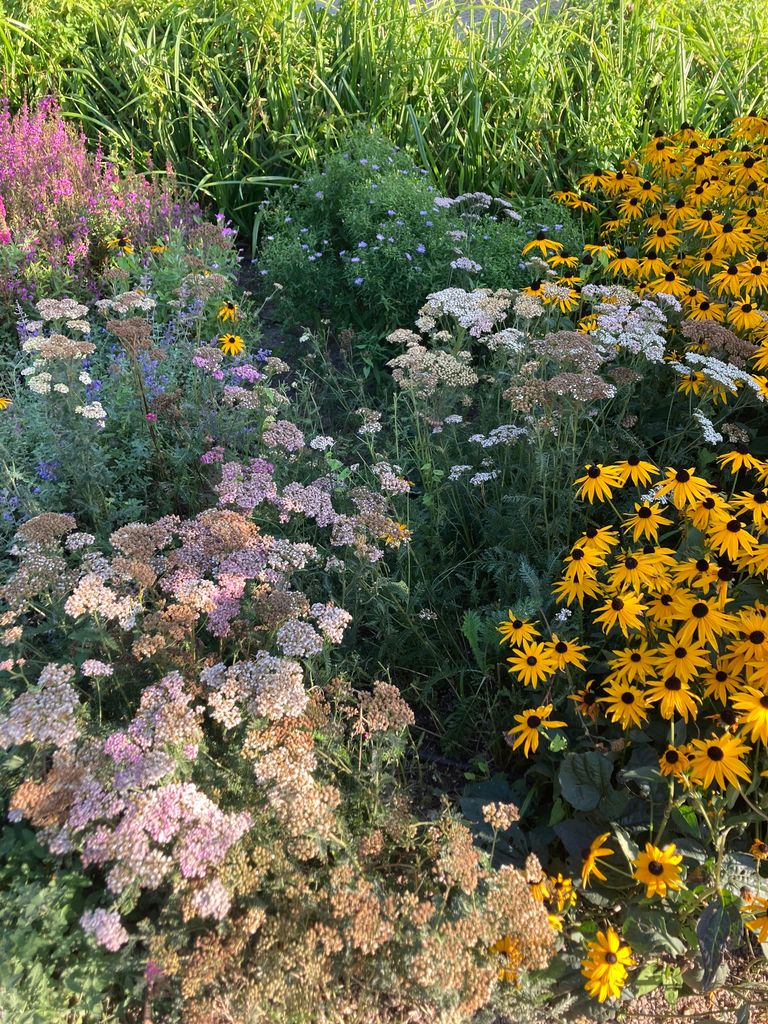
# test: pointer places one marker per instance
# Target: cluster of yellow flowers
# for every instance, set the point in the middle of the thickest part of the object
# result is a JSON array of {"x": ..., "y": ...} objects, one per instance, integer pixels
[
  {"x": 230, "y": 344},
  {"x": 670, "y": 595},
  {"x": 687, "y": 216},
  {"x": 671, "y": 587}
]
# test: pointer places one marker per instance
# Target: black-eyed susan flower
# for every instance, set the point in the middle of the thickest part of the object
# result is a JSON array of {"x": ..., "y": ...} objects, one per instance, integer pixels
[
  {"x": 543, "y": 244},
  {"x": 704, "y": 622},
  {"x": 576, "y": 589},
  {"x": 753, "y": 705},
  {"x": 691, "y": 383},
  {"x": 718, "y": 759},
  {"x": 658, "y": 868},
  {"x": 720, "y": 683},
  {"x": 683, "y": 486},
  {"x": 703, "y": 513},
  {"x": 646, "y": 522},
  {"x": 624, "y": 610},
  {"x": 674, "y": 697},
  {"x": 704, "y": 308},
  {"x": 606, "y": 966},
  {"x": 759, "y": 849},
  {"x": 567, "y": 652},
  {"x": 227, "y": 311},
  {"x": 158, "y": 249},
  {"x": 738, "y": 459},
  {"x": 730, "y": 537},
  {"x": 625, "y": 704},
  {"x": 510, "y": 957},
  {"x": 122, "y": 242},
  {"x": 629, "y": 571},
  {"x": 532, "y": 664},
  {"x": 700, "y": 573},
  {"x": 599, "y": 538},
  {"x": 631, "y": 664},
  {"x": 674, "y": 761},
  {"x": 727, "y": 281},
  {"x": 745, "y": 316},
  {"x": 670, "y": 283},
  {"x": 674, "y": 658},
  {"x": 635, "y": 470},
  {"x": 5, "y": 403},
  {"x": 561, "y": 891},
  {"x": 583, "y": 561},
  {"x": 527, "y": 732},
  {"x": 598, "y": 483},
  {"x": 231, "y": 344},
  {"x": 755, "y": 503},
  {"x": 515, "y": 630},
  {"x": 594, "y": 179},
  {"x": 563, "y": 259},
  {"x": 590, "y": 867},
  {"x": 666, "y": 606},
  {"x": 759, "y": 922}
]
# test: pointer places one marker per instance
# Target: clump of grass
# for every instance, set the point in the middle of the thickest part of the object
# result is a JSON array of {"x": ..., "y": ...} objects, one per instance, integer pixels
[{"x": 238, "y": 96}]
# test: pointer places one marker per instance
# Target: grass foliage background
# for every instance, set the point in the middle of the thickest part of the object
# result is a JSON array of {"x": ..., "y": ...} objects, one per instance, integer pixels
[{"x": 239, "y": 95}]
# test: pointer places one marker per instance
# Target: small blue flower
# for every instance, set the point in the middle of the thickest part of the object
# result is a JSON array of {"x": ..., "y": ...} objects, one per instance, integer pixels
[
  {"x": 421, "y": 248},
  {"x": 359, "y": 280}
]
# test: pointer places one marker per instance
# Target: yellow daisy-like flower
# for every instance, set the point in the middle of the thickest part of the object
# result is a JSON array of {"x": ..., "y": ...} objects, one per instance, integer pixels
[
  {"x": 719, "y": 683},
  {"x": 658, "y": 869},
  {"x": 532, "y": 664},
  {"x": 740, "y": 458},
  {"x": 122, "y": 242},
  {"x": 589, "y": 866},
  {"x": 562, "y": 892},
  {"x": 646, "y": 521},
  {"x": 567, "y": 652},
  {"x": 228, "y": 311},
  {"x": 753, "y": 705},
  {"x": 528, "y": 729},
  {"x": 682, "y": 660},
  {"x": 510, "y": 954},
  {"x": 755, "y": 503},
  {"x": 674, "y": 761},
  {"x": 759, "y": 849},
  {"x": 543, "y": 244},
  {"x": 684, "y": 487},
  {"x": 598, "y": 483},
  {"x": 157, "y": 249},
  {"x": 5, "y": 403},
  {"x": 587, "y": 700},
  {"x": 674, "y": 697},
  {"x": 576, "y": 589},
  {"x": 625, "y": 704},
  {"x": 515, "y": 630},
  {"x": 718, "y": 760},
  {"x": 605, "y": 966},
  {"x": 705, "y": 622},
  {"x": 601, "y": 538},
  {"x": 759, "y": 923},
  {"x": 731, "y": 537},
  {"x": 631, "y": 664},
  {"x": 231, "y": 344},
  {"x": 624, "y": 610},
  {"x": 583, "y": 561}
]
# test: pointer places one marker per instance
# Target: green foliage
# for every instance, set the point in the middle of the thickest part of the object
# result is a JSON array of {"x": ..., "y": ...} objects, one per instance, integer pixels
[
  {"x": 361, "y": 242},
  {"x": 240, "y": 95},
  {"x": 50, "y": 973}
]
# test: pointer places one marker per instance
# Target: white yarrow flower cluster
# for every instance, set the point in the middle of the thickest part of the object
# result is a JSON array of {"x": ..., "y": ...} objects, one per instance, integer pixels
[{"x": 708, "y": 432}]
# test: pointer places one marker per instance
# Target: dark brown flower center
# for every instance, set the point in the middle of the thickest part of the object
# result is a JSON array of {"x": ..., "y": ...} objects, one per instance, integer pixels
[
  {"x": 715, "y": 753},
  {"x": 656, "y": 867}
]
